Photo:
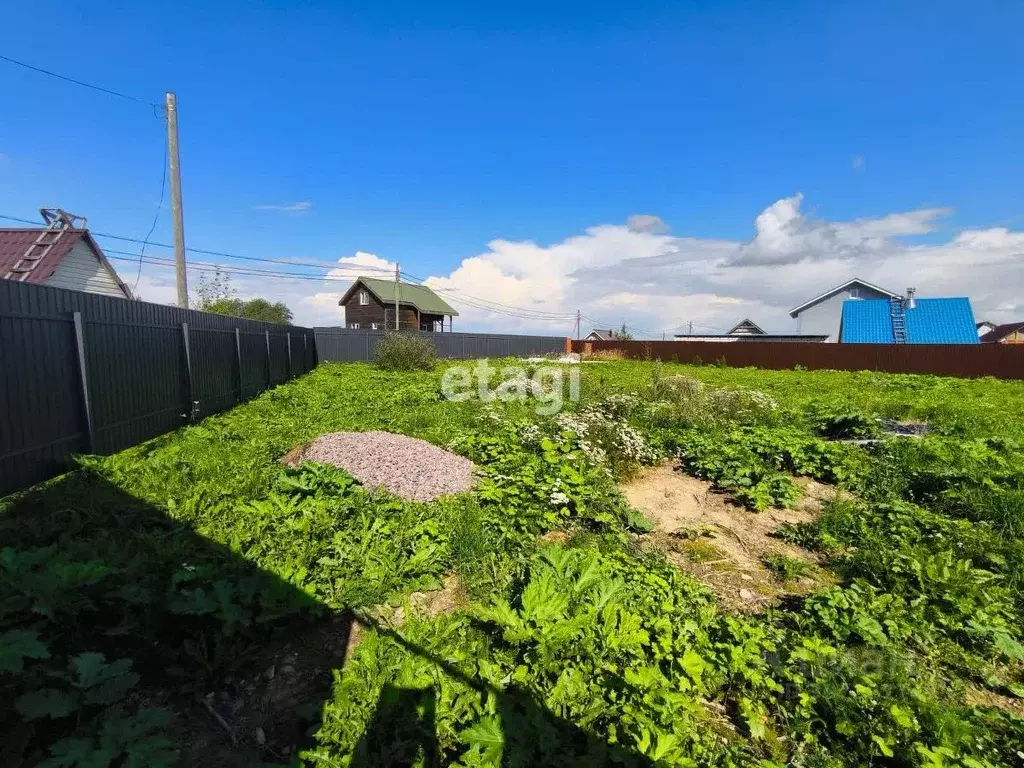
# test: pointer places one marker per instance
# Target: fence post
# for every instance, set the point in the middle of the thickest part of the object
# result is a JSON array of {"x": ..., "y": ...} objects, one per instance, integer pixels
[
  {"x": 238, "y": 361},
  {"x": 84, "y": 381},
  {"x": 366, "y": 354},
  {"x": 463, "y": 347},
  {"x": 305, "y": 354},
  {"x": 288, "y": 341},
  {"x": 266, "y": 335},
  {"x": 191, "y": 404}
]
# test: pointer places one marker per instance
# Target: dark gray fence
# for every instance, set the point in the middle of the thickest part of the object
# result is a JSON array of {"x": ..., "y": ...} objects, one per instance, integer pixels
[
  {"x": 82, "y": 373},
  {"x": 359, "y": 345}
]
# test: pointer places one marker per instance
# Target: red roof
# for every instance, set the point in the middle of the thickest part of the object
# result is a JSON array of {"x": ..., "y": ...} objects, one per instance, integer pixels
[{"x": 15, "y": 242}]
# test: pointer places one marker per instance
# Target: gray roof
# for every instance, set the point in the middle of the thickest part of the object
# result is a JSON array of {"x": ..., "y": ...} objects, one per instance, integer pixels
[{"x": 839, "y": 288}]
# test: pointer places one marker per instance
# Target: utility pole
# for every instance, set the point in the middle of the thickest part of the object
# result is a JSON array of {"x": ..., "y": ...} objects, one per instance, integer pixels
[
  {"x": 577, "y": 325},
  {"x": 691, "y": 328},
  {"x": 398, "y": 288},
  {"x": 171, "y": 113}
]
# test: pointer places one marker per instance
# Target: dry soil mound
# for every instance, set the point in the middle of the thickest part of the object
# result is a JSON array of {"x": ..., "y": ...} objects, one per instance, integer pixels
[{"x": 406, "y": 466}]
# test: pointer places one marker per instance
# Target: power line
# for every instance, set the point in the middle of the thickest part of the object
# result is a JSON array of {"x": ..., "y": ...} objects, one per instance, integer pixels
[
  {"x": 222, "y": 254},
  {"x": 156, "y": 217},
  {"x": 463, "y": 294},
  {"x": 72, "y": 80},
  {"x": 477, "y": 302},
  {"x": 244, "y": 271},
  {"x": 487, "y": 304}
]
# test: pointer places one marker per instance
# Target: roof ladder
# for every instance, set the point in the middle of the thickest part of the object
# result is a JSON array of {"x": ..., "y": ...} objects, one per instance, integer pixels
[
  {"x": 57, "y": 223},
  {"x": 899, "y": 327}
]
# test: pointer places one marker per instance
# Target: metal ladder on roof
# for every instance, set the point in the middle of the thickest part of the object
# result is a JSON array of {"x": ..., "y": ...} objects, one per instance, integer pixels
[
  {"x": 57, "y": 223},
  {"x": 899, "y": 326}
]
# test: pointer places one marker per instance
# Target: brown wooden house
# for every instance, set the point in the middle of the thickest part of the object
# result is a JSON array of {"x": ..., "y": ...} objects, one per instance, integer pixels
[
  {"x": 370, "y": 303},
  {"x": 1007, "y": 333}
]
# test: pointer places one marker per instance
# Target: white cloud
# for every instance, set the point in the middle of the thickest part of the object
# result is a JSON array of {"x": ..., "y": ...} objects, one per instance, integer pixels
[
  {"x": 645, "y": 222},
  {"x": 638, "y": 274},
  {"x": 300, "y": 206},
  {"x": 857, "y": 163},
  {"x": 658, "y": 282}
]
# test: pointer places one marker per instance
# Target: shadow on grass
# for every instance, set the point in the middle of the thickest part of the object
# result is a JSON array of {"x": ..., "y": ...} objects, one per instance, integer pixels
[
  {"x": 225, "y": 647},
  {"x": 241, "y": 660},
  {"x": 402, "y": 731}
]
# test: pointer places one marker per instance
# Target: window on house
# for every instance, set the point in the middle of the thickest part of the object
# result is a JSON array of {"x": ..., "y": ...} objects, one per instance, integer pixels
[
  {"x": 855, "y": 293},
  {"x": 353, "y": 325},
  {"x": 364, "y": 298},
  {"x": 373, "y": 326}
]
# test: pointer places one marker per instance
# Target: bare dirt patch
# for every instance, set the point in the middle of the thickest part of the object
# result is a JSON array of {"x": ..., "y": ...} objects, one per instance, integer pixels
[
  {"x": 978, "y": 697},
  {"x": 448, "y": 598},
  {"x": 718, "y": 542},
  {"x": 266, "y": 713},
  {"x": 406, "y": 466}
]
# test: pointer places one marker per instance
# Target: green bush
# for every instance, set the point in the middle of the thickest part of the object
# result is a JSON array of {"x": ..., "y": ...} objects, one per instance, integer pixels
[{"x": 405, "y": 352}]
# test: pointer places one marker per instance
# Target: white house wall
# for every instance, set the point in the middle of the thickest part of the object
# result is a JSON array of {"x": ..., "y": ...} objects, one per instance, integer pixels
[
  {"x": 82, "y": 271},
  {"x": 825, "y": 317}
]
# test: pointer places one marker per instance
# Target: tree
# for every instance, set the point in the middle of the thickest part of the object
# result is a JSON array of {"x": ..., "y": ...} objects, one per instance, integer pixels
[
  {"x": 217, "y": 295},
  {"x": 622, "y": 334}
]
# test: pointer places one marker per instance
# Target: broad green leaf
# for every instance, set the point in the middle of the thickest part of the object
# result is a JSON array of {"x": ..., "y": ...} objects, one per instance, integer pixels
[
  {"x": 883, "y": 745},
  {"x": 486, "y": 733},
  {"x": 46, "y": 702},
  {"x": 17, "y": 645}
]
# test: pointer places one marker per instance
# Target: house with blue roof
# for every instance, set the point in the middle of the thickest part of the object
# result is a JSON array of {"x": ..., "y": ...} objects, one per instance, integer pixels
[{"x": 908, "y": 320}]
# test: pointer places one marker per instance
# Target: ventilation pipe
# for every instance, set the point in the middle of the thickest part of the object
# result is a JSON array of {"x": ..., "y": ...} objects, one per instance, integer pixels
[{"x": 910, "y": 302}]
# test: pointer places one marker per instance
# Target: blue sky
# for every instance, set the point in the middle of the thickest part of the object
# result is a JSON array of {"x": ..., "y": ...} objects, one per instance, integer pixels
[{"x": 422, "y": 132}]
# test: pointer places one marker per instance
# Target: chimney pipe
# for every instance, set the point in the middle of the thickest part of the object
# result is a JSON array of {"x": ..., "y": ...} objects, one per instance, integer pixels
[{"x": 910, "y": 303}]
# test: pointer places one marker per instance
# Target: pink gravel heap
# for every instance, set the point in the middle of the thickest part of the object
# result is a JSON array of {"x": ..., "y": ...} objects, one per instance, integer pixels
[{"x": 405, "y": 466}]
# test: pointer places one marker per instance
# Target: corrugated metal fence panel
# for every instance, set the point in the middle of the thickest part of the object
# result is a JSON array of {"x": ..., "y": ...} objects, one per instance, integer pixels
[
  {"x": 1004, "y": 361},
  {"x": 136, "y": 370},
  {"x": 214, "y": 369},
  {"x": 359, "y": 345},
  {"x": 136, "y": 382},
  {"x": 254, "y": 363},
  {"x": 39, "y": 376},
  {"x": 278, "y": 358}
]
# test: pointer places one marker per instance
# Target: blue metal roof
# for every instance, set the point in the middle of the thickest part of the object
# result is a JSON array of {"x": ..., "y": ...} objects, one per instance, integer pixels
[{"x": 931, "y": 321}]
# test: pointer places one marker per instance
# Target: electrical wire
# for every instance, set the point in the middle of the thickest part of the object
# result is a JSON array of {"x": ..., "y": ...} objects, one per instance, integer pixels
[
  {"x": 539, "y": 313},
  {"x": 72, "y": 80},
  {"x": 223, "y": 254},
  {"x": 477, "y": 302},
  {"x": 205, "y": 267},
  {"x": 156, "y": 217}
]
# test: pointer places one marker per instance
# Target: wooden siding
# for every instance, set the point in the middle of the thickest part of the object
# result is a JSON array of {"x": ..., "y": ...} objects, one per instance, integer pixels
[
  {"x": 82, "y": 271},
  {"x": 381, "y": 314}
]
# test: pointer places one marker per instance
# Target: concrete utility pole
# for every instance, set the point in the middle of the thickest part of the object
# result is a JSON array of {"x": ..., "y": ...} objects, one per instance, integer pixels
[
  {"x": 398, "y": 290},
  {"x": 577, "y": 325},
  {"x": 171, "y": 110}
]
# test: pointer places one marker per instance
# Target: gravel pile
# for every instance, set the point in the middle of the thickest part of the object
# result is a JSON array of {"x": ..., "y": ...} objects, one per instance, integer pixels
[{"x": 405, "y": 466}]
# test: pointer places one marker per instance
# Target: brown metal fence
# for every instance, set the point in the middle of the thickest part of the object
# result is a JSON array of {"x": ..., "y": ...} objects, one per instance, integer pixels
[
  {"x": 82, "y": 373},
  {"x": 1003, "y": 361}
]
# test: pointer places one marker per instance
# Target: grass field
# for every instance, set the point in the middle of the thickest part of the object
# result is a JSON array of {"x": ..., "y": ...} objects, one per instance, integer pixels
[{"x": 192, "y": 601}]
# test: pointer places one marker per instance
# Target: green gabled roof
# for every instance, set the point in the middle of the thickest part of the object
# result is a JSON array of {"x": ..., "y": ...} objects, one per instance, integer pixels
[{"x": 419, "y": 296}]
